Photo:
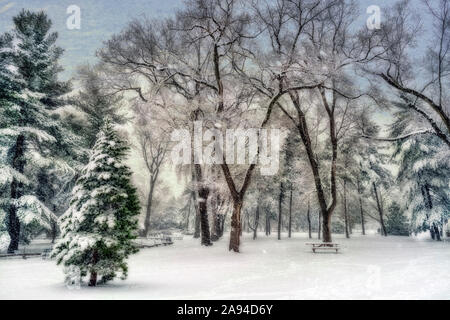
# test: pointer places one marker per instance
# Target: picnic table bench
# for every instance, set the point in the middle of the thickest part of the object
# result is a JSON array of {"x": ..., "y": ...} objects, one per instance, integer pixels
[{"x": 323, "y": 246}]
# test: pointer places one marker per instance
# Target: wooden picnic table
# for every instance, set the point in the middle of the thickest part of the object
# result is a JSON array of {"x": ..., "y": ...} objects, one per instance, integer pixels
[{"x": 324, "y": 246}]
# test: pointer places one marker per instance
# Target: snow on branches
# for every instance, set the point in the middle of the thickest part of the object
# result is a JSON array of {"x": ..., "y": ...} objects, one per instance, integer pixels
[{"x": 101, "y": 221}]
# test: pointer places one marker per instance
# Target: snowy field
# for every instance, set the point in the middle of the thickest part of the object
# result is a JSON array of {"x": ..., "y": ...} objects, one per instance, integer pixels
[{"x": 369, "y": 267}]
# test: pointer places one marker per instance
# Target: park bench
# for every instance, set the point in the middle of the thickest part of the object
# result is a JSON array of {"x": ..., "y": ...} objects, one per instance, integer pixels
[
  {"x": 161, "y": 240},
  {"x": 317, "y": 246},
  {"x": 16, "y": 254},
  {"x": 153, "y": 241}
]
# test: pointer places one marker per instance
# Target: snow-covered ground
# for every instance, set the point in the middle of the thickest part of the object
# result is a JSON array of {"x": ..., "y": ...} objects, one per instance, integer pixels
[{"x": 369, "y": 267}]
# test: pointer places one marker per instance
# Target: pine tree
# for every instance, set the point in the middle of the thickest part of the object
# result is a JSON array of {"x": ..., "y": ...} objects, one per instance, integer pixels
[
  {"x": 396, "y": 222},
  {"x": 373, "y": 176},
  {"x": 96, "y": 103},
  {"x": 424, "y": 168},
  {"x": 101, "y": 222},
  {"x": 33, "y": 136},
  {"x": 423, "y": 174}
]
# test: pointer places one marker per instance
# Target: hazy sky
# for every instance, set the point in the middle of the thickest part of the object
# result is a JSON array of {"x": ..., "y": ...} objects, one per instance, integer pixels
[
  {"x": 99, "y": 20},
  {"x": 102, "y": 18}
]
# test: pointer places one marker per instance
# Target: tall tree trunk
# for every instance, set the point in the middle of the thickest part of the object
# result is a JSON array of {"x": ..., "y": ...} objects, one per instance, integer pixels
[
  {"x": 203, "y": 194},
  {"x": 363, "y": 227},
  {"x": 320, "y": 226},
  {"x": 326, "y": 228},
  {"x": 434, "y": 229},
  {"x": 280, "y": 214},
  {"x": 194, "y": 195},
  {"x": 302, "y": 126},
  {"x": 308, "y": 216},
  {"x": 54, "y": 231},
  {"x": 188, "y": 216},
  {"x": 214, "y": 217},
  {"x": 290, "y": 214},
  {"x": 148, "y": 210},
  {"x": 93, "y": 276},
  {"x": 436, "y": 232},
  {"x": 221, "y": 224},
  {"x": 380, "y": 209},
  {"x": 242, "y": 224},
  {"x": 215, "y": 201},
  {"x": 13, "y": 223},
  {"x": 235, "y": 226},
  {"x": 267, "y": 223},
  {"x": 197, "y": 215},
  {"x": 201, "y": 187},
  {"x": 347, "y": 235},
  {"x": 361, "y": 208},
  {"x": 197, "y": 226},
  {"x": 255, "y": 227},
  {"x": 248, "y": 223}
]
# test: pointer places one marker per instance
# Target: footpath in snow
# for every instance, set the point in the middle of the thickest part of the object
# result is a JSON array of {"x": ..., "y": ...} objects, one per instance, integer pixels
[{"x": 367, "y": 267}]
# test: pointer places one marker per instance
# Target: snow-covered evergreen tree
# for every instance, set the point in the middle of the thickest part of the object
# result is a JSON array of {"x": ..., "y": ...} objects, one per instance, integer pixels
[
  {"x": 374, "y": 178},
  {"x": 424, "y": 168},
  {"x": 423, "y": 174},
  {"x": 397, "y": 222},
  {"x": 33, "y": 135},
  {"x": 96, "y": 102},
  {"x": 101, "y": 222}
]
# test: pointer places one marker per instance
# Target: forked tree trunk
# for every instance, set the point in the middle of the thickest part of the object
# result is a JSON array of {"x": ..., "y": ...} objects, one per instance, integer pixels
[
  {"x": 235, "y": 226},
  {"x": 302, "y": 126}
]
